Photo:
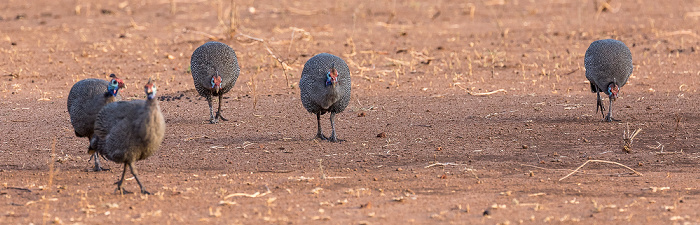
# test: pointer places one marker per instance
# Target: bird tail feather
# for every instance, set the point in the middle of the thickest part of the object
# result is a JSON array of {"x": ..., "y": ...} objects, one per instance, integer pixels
[{"x": 594, "y": 88}]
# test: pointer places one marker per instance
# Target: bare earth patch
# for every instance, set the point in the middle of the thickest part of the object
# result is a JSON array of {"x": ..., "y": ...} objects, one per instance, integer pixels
[{"x": 462, "y": 112}]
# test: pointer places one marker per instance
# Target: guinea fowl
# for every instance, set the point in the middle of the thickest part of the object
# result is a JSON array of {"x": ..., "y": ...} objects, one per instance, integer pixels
[
  {"x": 85, "y": 100},
  {"x": 608, "y": 65},
  {"x": 129, "y": 131},
  {"x": 325, "y": 87},
  {"x": 214, "y": 70}
]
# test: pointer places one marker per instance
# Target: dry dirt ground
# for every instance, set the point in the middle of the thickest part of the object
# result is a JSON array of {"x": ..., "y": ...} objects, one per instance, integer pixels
[{"x": 423, "y": 147}]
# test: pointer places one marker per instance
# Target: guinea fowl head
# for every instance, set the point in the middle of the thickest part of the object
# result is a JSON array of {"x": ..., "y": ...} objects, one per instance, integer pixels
[
  {"x": 150, "y": 89},
  {"x": 119, "y": 81},
  {"x": 331, "y": 77},
  {"x": 613, "y": 89},
  {"x": 114, "y": 85},
  {"x": 216, "y": 82}
]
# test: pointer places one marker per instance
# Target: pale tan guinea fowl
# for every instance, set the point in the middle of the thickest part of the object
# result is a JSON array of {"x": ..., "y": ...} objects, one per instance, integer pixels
[
  {"x": 129, "y": 131},
  {"x": 85, "y": 99}
]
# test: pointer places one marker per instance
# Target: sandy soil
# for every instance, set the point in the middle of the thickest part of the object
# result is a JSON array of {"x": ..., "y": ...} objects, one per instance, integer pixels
[{"x": 422, "y": 147}]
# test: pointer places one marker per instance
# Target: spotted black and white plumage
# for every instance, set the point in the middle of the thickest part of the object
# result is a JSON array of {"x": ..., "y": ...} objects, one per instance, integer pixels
[
  {"x": 322, "y": 91},
  {"x": 85, "y": 99},
  {"x": 214, "y": 70},
  {"x": 608, "y": 65},
  {"x": 129, "y": 131}
]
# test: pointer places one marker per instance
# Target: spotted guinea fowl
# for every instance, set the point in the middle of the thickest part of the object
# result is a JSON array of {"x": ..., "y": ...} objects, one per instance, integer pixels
[
  {"x": 608, "y": 65},
  {"x": 129, "y": 131},
  {"x": 85, "y": 100},
  {"x": 214, "y": 70},
  {"x": 325, "y": 87}
]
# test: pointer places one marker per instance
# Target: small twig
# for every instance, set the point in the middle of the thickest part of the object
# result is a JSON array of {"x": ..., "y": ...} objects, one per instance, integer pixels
[
  {"x": 454, "y": 164},
  {"x": 173, "y": 7},
  {"x": 211, "y": 37},
  {"x": 284, "y": 64},
  {"x": 320, "y": 166},
  {"x": 18, "y": 188},
  {"x": 285, "y": 67},
  {"x": 628, "y": 138},
  {"x": 254, "y": 195},
  {"x": 250, "y": 37},
  {"x": 486, "y": 93},
  {"x": 275, "y": 171},
  {"x": 572, "y": 71},
  {"x": 601, "y": 161},
  {"x": 598, "y": 174},
  {"x": 444, "y": 164},
  {"x": 52, "y": 172},
  {"x": 192, "y": 138},
  {"x": 542, "y": 168}
]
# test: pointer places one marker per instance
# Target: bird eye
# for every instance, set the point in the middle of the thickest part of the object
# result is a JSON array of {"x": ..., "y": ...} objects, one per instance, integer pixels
[{"x": 114, "y": 82}]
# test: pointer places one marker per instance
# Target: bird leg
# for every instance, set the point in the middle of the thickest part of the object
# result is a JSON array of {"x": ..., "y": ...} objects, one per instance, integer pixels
[
  {"x": 119, "y": 183},
  {"x": 133, "y": 171},
  {"x": 218, "y": 112},
  {"x": 333, "y": 138},
  {"x": 212, "y": 119},
  {"x": 98, "y": 167},
  {"x": 609, "y": 117},
  {"x": 95, "y": 155},
  {"x": 320, "y": 132},
  {"x": 599, "y": 104}
]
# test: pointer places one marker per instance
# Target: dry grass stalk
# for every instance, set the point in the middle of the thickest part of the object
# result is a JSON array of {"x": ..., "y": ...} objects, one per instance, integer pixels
[
  {"x": 51, "y": 176},
  {"x": 472, "y": 9},
  {"x": 254, "y": 195},
  {"x": 232, "y": 16},
  {"x": 303, "y": 12},
  {"x": 173, "y": 7},
  {"x": 284, "y": 64},
  {"x": 628, "y": 138},
  {"x": 485, "y": 93},
  {"x": 254, "y": 87},
  {"x": 397, "y": 62},
  {"x": 285, "y": 67},
  {"x": 444, "y": 164},
  {"x": 211, "y": 37},
  {"x": 675, "y": 137},
  {"x": 603, "y": 6},
  {"x": 320, "y": 167},
  {"x": 220, "y": 10},
  {"x": 601, "y": 161}
]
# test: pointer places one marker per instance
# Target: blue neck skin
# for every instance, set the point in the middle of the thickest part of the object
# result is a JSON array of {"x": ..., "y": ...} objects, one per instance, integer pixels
[
  {"x": 329, "y": 81},
  {"x": 113, "y": 90}
]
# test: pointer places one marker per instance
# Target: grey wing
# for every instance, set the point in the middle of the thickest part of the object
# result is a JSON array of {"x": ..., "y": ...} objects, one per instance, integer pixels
[
  {"x": 116, "y": 143},
  {"x": 85, "y": 100}
]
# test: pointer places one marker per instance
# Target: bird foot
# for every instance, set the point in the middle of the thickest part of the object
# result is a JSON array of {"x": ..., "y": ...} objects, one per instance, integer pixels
[
  {"x": 145, "y": 192},
  {"x": 609, "y": 118},
  {"x": 221, "y": 117},
  {"x": 335, "y": 140},
  {"x": 122, "y": 191},
  {"x": 320, "y": 136},
  {"x": 99, "y": 169}
]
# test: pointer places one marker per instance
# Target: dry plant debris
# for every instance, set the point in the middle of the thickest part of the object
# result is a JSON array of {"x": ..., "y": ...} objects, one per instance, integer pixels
[{"x": 601, "y": 161}]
